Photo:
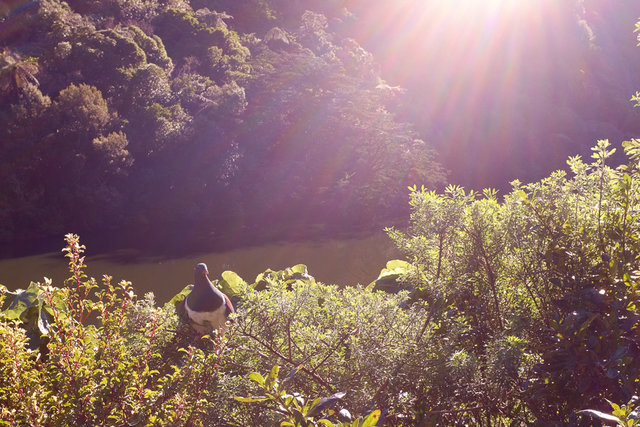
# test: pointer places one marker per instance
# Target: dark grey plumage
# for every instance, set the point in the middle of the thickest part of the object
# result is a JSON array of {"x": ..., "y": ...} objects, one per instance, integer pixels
[{"x": 206, "y": 306}]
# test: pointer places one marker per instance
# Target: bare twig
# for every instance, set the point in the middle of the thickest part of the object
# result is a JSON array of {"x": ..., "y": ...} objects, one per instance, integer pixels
[{"x": 281, "y": 356}]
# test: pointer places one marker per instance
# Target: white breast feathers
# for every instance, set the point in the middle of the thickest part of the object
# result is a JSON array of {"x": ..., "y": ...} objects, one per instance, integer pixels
[{"x": 207, "y": 321}]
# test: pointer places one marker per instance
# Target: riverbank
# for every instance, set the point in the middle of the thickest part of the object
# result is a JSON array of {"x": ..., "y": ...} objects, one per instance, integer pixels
[{"x": 347, "y": 260}]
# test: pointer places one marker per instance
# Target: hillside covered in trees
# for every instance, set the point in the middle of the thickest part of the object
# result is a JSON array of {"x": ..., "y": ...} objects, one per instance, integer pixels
[
  {"x": 161, "y": 114},
  {"x": 271, "y": 117}
]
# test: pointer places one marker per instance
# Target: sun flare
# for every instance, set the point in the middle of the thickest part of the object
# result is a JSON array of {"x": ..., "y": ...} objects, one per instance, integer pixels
[{"x": 468, "y": 57}]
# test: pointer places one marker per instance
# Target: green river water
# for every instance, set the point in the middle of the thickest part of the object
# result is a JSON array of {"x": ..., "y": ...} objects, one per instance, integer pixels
[{"x": 343, "y": 261}]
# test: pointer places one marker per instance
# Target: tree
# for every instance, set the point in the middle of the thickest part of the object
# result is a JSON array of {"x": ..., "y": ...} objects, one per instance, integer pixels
[
  {"x": 219, "y": 52},
  {"x": 82, "y": 112},
  {"x": 107, "y": 59},
  {"x": 320, "y": 141},
  {"x": 152, "y": 46},
  {"x": 112, "y": 148},
  {"x": 148, "y": 85},
  {"x": 16, "y": 73}
]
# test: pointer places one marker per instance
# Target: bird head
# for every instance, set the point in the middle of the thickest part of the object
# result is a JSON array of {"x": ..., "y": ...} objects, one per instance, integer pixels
[{"x": 201, "y": 269}]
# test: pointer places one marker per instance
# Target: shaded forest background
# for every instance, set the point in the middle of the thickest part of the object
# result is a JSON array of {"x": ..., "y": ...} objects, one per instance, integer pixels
[{"x": 272, "y": 118}]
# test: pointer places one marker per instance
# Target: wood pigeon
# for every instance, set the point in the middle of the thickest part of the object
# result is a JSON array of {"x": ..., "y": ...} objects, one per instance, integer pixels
[{"x": 206, "y": 307}]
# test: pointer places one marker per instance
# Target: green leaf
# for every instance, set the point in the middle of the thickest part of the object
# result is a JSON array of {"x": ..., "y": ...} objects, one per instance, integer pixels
[
  {"x": 398, "y": 264},
  {"x": 262, "y": 280},
  {"x": 372, "y": 419},
  {"x": 619, "y": 353},
  {"x": 388, "y": 278},
  {"x": 587, "y": 323},
  {"x": 617, "y": 411},
  {"x": 231, "y": 284},
  {"x": 270, "y": 381},
  {"x": 613, "y": 373},
  {"x": 298, "y": 272},
  {"x": 251, "y": 399},
  {"x": 301, "y": 419},
  {"x": 257, "y": 378},
  {"x": 23, "y": 302},
  {"x": 299, "y": 268}
]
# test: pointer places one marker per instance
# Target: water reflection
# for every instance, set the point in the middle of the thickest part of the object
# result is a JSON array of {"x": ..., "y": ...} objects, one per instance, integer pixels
[{"x": 346, "y": 261}]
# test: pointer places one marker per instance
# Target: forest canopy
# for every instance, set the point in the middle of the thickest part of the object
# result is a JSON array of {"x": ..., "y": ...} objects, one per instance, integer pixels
[
  {"x": 157, "y": 114},
  {"x": 294, "y": 116}
]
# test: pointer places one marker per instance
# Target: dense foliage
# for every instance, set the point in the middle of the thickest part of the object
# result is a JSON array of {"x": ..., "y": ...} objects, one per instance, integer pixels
[
  {"x": 550, "y": 272},
  {"x": 151, "y": 114},
  {"x": 514, "y": 311},
  {"x": 504, "y": 313}
]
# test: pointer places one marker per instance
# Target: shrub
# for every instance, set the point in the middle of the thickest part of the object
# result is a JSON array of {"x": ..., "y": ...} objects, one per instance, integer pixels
[
  {"x": 109, "y": 358},
  {"x": 546, "y": 282},
  {"x": 506, "y": 312}
]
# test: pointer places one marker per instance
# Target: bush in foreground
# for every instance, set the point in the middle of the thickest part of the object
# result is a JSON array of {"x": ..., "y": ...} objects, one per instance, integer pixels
[
  {"x": 508, "y": 312},
  {"x": 99, "y": 355}
]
